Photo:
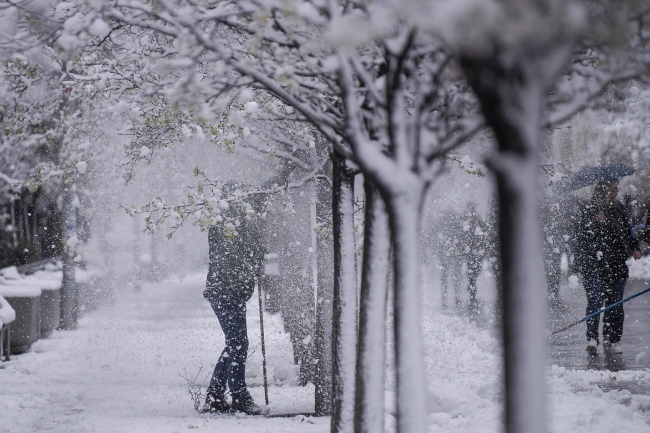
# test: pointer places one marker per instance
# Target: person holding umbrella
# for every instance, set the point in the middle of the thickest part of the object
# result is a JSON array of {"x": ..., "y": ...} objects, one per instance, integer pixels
[{"x": 604, "y": 242}]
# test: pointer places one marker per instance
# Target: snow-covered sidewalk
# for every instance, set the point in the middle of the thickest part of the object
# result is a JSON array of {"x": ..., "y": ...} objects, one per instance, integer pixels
[
  {"x": 466, "y": 394},
  {"x": 121, "y": 370},
  {"x": 464, "y": 364}
]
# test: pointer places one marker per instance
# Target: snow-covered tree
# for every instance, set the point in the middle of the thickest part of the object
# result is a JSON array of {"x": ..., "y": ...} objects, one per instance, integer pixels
[
  {"x": 390, "y": 100},
  {"x": 512, "y": 59},
  {"x": 383, "y": 97},
  {"x": 51, "y": 117}
]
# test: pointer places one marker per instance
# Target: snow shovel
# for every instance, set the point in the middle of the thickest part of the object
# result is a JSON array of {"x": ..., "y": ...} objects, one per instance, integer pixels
[
  {"x": 259, "y": 292},
  {"x": 571, "y": 325}
]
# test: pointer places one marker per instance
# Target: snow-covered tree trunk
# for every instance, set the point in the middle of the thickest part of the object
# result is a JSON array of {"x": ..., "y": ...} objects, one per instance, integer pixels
[
  {"x": 69, "y": 299},
  {"x": 512, "y": 88},
  {"x": 344, "y": 322},
  {"x": 313, "y": 222},
  {"x": 369, "y": 399},
  {"x": 323, "y": 332},
  {"x": 524, "y": 294},
  {"x": 404, "y": 209},
  {"x": 136, "y": 247}
]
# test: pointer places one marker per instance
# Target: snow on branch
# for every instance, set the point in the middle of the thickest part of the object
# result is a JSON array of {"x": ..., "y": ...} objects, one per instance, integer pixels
[{"x": 208, "y": 199}]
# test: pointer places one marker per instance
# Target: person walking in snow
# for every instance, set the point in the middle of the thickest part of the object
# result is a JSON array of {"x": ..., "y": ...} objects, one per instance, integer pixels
[
  {"x": 472, "y": 248},
  {"x": 236, "y": 256},
  {"x": 448, "y": 252},
  {"x": 604, "y": 242}
]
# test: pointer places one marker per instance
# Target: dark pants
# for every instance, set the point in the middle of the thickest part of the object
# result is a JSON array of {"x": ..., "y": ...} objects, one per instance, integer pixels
[
  {"x": 231, "y": 367},
  {"x": 600, "y": 292},
  {"x": 474, "y": 264},
  {"x": 451, "y": 265},
  {"x": 552, "y": 268}
]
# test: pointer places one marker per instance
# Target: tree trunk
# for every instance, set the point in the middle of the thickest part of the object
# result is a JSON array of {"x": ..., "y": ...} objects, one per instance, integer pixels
[
  {"x": 512, "y": 88},
  {"x": 344, "y": 322},
  {"x": 404, "y": 210},
  {"x": 14, "y": 231},
  {"x": 523, "y": 298},
  {"x": 323, "y": 332},
  {"x": 313, "y": 225},
  {"x": 69, "y": 298},
  {"x": 369, "y": 399}
]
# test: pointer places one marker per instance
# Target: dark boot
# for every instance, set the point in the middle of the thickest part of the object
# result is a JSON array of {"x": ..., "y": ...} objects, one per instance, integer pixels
[
  {"x": 592, "y": 347},
  {"x": 216, "y": 403},
  {"x": 243, "y": 402}
]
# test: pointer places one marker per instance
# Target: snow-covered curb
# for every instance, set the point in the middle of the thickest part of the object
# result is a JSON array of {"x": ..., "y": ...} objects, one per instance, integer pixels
[
  {"x": 20, "y": 290},
  {"x": 46, "y": 280}
]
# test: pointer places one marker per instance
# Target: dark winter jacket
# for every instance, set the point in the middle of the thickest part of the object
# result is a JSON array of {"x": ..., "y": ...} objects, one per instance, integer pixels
[
  {"x": 463, "y": 235},
  {"x": 602, "y": 248},
  {"x": 235, "y": 258}
]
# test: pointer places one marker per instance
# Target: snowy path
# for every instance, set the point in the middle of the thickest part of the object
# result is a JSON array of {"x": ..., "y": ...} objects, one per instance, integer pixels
[
  {"x": 466, "y": 395},
  {"x": 120, "y": 371},
  {"x": 568, "y": 347}
]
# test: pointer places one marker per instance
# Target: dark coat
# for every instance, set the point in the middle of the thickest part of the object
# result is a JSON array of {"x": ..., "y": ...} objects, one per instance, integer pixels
[
  {"x": 472, "y": 234},
  {"x": 235, "y": 261},
  {"x": 602, "y": 248},
  {"x": 463, "y": 235}
]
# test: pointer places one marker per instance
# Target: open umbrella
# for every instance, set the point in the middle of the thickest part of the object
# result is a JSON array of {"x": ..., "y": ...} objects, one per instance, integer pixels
[{"x": 591, "y": 175}]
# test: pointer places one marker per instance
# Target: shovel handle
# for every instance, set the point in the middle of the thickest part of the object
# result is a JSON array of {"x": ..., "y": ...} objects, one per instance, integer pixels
[{"x": 557, "y": 331}]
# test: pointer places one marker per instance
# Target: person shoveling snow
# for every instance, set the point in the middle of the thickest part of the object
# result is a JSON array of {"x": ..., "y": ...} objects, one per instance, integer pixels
[{"x": 235, "y": 260}]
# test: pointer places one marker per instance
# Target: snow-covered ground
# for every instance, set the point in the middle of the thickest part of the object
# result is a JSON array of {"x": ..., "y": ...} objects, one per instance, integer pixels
[{"x": 122, "y": 371}]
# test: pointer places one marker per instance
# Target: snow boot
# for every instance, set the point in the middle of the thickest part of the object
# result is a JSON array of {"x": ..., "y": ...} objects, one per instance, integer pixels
[
  {"x": 592, "y": 347},
  {"x": 616, "y": 348},
  {"x": 243, "y": 402},
  {"x": 215, "y": 403}
]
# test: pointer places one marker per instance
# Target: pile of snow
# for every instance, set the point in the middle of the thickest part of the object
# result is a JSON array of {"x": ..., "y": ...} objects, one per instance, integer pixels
[
  {"x": 49, "y": 278},
  {"x": 10, "y": 273},
  {"x": 7, "y": 314},
  {"x": 46, "y": 280},
  {"x": 14, "y": 284},
  {"x": 577, "y": 403},
  {"x": 639, "y": 269},
  {"x": 11, "y": 289},
  {"x": 463, "y": 362},
  {"x": 466, "y": 392}
]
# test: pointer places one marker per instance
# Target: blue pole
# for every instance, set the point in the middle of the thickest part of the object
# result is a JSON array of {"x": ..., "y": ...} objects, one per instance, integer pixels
[{"x": 615, "y": 304}]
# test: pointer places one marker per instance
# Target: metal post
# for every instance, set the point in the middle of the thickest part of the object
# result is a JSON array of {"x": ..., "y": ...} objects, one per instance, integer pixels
[
  {"x": 259, "y": 293},
  {"x": 314, "y": 243},
  {"x": 5, "y": 342},
  {"x": 13, "y": 221}
]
